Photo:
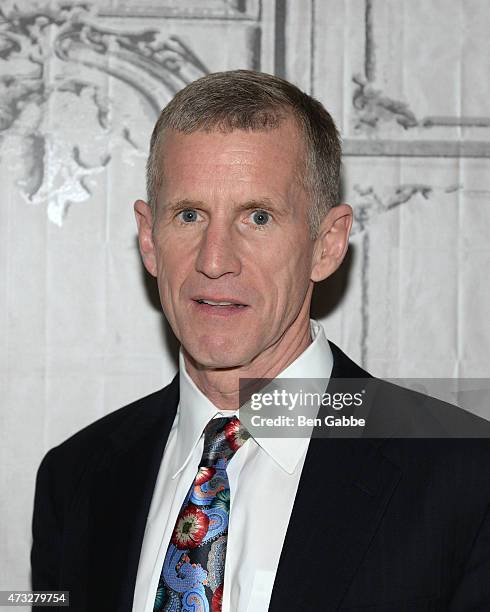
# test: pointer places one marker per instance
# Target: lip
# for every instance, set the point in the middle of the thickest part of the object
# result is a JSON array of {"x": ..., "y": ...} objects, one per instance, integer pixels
[
  {"x": 208, "y": 310},
  {"x": 209, "y": 298}
]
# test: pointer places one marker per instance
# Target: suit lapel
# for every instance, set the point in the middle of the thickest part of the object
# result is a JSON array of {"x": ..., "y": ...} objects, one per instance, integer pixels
[
  {"x": 120, "y": 500},
  {"x": 345, "y": 487},
  {"x": 344, "y": 490}
]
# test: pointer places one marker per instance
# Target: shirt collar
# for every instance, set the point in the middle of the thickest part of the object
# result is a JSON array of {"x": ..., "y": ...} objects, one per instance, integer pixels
[
  {"x": 196, "y": 410},
  {"x": 313, "y": 366}
]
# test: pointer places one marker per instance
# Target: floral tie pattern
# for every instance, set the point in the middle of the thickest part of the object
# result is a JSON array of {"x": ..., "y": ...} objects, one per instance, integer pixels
[{"x": 193, "y": 570}]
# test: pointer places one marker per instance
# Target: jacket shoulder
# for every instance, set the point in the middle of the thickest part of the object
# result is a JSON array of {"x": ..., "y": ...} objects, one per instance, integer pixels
[
  {"x": 141, "y": 409},
  {"x": 84, "y": 448}
]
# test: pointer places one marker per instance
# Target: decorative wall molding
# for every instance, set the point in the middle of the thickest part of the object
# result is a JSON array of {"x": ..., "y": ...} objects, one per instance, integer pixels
[
  {"x": 353, "y": 147},
  {"x": 183, "y": 9},
  {"x": 151, "y": 64},
  {"x": 373, "y": 107}
]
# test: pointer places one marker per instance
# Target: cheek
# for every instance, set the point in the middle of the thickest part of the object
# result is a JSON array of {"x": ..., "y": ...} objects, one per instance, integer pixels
[
  {"x": 168, "y": 274},
  {"x": 291, "y": 273},
  {"x": 172, "y": 253},
  {"x": 176, "y": 254}
]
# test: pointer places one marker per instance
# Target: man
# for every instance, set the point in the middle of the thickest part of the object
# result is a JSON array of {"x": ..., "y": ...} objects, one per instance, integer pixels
[{"x": 132, "y": 513}]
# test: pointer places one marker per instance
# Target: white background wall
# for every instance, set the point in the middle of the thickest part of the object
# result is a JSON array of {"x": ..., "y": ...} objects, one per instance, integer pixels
[{"x": 80, "y": 330}]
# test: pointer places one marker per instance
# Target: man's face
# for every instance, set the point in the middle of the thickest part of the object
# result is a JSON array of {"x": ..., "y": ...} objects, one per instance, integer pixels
[{"x": 232, "y": 250}]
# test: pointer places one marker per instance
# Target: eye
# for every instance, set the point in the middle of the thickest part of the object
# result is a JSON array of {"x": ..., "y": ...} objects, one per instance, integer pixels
[
  {"x": 188, "y": 215},
  {"x": 261, "y": 217}
]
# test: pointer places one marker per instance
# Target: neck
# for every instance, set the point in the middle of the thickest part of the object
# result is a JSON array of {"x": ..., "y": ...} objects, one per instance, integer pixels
[{"x": 221, "y": 386}]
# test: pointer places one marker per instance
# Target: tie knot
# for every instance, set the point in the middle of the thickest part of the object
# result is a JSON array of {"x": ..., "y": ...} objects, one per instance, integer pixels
[{"x": 222, "y": 438}]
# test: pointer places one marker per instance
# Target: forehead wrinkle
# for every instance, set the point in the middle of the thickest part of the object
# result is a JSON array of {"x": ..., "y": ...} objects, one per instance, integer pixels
[
  {"x": 235, "y": 166},
  {"x": 240, "y": 148}
]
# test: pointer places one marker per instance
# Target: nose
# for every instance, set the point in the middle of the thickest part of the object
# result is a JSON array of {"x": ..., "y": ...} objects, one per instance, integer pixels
[{"x": 218, "y": 251}]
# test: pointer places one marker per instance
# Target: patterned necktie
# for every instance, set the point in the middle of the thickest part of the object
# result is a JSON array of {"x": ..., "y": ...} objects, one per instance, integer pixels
[{"x": 194, "y": 566}]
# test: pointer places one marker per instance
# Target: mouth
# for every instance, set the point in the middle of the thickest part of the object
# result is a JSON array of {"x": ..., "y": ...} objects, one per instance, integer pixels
[
  {"x": 220, "y": 303},
  {"x": 219, "y": 306}
]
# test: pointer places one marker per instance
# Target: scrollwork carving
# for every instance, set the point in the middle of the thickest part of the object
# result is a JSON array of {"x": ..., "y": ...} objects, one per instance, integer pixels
[{"x": 59, "y": 57}]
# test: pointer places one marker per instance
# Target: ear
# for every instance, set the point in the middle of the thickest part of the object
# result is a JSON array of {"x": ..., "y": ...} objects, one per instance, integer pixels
[
  {"x": 144, "y": 221},
  {"x": 332, "y": 242}
]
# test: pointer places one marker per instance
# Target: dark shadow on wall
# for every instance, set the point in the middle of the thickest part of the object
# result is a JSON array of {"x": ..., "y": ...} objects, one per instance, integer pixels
[{"x": 328, "y": 294}]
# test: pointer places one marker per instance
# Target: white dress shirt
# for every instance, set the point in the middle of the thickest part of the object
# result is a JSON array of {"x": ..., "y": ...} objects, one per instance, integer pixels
[{"x": 263, "y": 475}]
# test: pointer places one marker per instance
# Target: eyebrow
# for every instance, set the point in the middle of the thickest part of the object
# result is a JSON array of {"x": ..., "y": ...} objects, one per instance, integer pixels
[
  {"x": 182, "y": 204},
  {"x": 261, "y": 203}
]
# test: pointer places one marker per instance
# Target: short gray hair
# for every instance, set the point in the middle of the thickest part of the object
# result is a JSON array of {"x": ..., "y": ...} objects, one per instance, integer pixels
[{"x": 249, "y": 100}]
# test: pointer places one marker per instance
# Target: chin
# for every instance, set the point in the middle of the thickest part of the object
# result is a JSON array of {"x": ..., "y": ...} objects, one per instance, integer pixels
[{"x": 219, "y": 352}]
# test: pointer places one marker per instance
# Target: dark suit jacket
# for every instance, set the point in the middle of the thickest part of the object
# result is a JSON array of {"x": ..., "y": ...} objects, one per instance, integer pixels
[{"x": 377, "y": 524}]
